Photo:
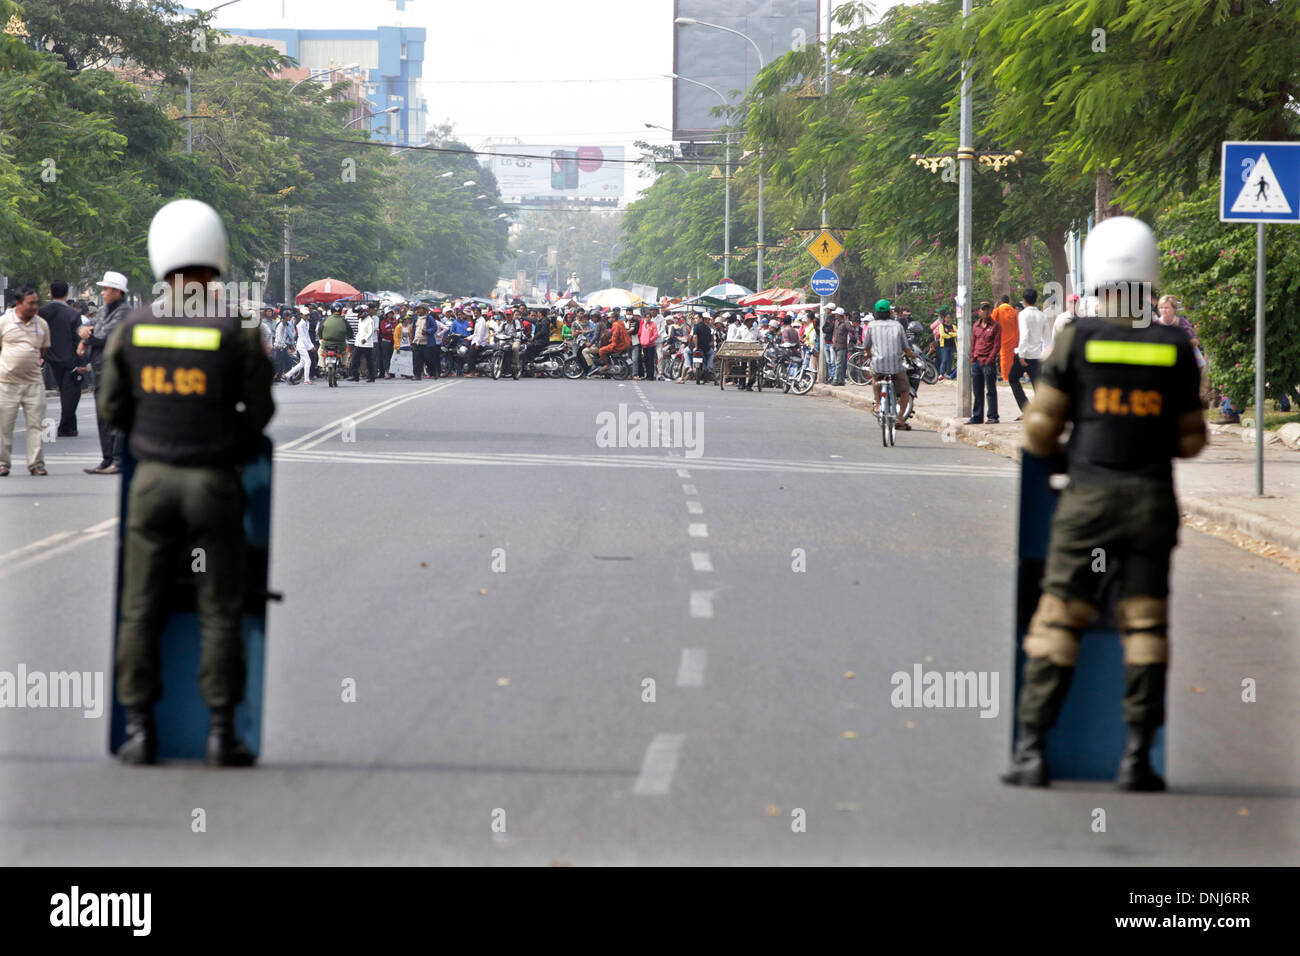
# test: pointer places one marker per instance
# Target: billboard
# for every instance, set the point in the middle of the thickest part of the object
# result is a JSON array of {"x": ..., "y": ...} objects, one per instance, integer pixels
[
  {"x": 558, "y": 172},
  {"x": 725, "y": 61}
]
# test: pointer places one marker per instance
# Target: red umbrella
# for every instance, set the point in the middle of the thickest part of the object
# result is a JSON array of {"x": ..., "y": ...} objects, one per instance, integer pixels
[
  {"x": 774, "y": 296},
  {"x": 325, "y": 291}
]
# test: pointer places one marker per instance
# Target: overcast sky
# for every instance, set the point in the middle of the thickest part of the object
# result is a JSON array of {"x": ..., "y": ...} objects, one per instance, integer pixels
[{"x": 571, "y": 72}]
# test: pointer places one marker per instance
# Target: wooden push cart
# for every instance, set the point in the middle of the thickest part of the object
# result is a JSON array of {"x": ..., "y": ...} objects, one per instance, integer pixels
[{"x": 741, "y": 361}]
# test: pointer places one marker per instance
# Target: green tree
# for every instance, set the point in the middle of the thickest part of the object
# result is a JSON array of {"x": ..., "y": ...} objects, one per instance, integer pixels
[
  {"x": 153, "y": 35},
  {"x": 74, "y": 166},
  {"x": 1137, "y": 94},
  {"x": 676, "y": 228},
  {"x": 452, "y": 241}
]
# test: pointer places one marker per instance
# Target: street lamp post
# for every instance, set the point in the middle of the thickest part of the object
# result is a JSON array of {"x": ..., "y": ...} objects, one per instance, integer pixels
[
  {"x": 689, "y": 22},
  {"x": 311, "y": 74},
  {"x": 726, "y": 228},
  {"x": 368, "y": 115},
  {"x": 325, "y": 71}
]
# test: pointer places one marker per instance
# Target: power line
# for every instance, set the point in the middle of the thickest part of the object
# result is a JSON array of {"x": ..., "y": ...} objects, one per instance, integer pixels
[
  {"x": 632, "y": 79},
  {"x": 376, "y": 144}
]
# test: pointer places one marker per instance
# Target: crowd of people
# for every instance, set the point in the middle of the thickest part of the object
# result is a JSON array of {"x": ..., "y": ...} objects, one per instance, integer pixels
[
  {"x": 59, "y": 345},
  {"x": 415, "y": 340}
]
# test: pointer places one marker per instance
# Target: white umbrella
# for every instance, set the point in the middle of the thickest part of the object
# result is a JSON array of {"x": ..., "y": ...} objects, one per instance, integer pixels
[
  {"x": 613, "y": 299},
  {"x": 727, "y": 290}
]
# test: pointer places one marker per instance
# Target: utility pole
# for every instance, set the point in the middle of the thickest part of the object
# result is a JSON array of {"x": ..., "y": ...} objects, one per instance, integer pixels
[
  {"x": 826, "y": 94},
  {"x": 965, "y": 159},
  {"x": 288, "y": 289},
  {"x": 726, "y": 227}
]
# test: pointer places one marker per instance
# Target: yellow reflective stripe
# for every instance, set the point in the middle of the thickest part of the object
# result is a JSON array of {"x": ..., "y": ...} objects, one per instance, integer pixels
[
  {"x": 1130, "y": 353},
  {"x": 176, "y": 337}
]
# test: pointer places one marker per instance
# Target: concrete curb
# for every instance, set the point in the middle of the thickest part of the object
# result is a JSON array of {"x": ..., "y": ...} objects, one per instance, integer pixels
[
  {"x": 1257, "y": 526},
  {"x": 993, "y": 438}
]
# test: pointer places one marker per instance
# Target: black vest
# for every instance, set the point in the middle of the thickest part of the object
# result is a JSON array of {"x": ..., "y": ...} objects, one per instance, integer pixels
[
  {"x": 1127, "y": 387},
  {"x": 187, "y": 377}
]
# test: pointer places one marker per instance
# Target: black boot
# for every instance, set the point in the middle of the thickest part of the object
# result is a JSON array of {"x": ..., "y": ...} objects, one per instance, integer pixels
[
  {"x": 1029, "y": 762},
  {"x": 224, "y": 748},
  {"x": 141, "y": 743},
  {"x": 1135, "y": 771}
]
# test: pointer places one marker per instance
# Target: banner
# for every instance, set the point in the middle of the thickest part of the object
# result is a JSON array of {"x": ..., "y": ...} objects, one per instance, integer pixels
[
  {"x": 558, "y": 172},
  {"x": 648, "y": 292}
]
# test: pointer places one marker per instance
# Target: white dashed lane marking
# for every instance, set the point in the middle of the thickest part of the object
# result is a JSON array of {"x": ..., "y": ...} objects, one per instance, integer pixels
[
  {"x": 690, "y": 672},
  {"x": 702, "y": 604},
  {"x": 695, "y": 508},
  {"x": 700, "y": 561},
  {"x": 698, "y": 530},
  {"x": 658, "y": 766}
]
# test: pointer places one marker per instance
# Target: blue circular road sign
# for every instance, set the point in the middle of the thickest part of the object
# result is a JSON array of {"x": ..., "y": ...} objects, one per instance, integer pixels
[{"x": 825, "y": 282}]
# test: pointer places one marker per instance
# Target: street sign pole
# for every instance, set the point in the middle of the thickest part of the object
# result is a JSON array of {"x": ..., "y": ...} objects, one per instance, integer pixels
[
  {"x": 825, "y": 249},
  {"x": 1259, "y": 359},
  {"x": 1265, "y": 179},
  {"x": 826, "y": 98}
]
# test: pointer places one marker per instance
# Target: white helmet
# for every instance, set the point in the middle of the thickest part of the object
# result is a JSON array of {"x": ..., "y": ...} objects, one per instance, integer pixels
[
  {"x": 187, "y": 233},
  {"x": 1120, "y": 251}
]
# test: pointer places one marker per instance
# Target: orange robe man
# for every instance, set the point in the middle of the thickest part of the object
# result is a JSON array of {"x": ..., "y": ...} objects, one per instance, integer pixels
[{"x": 1008, "y": 319}]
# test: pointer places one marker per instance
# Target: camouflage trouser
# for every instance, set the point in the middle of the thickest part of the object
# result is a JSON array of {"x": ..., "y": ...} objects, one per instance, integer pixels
[
  {"x": 171, "y": 511},
  {"x": 1134, "y": 523}
]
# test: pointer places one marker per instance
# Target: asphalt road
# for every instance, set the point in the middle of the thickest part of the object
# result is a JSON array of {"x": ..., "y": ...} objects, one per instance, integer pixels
[{"x": 500, "y": 587}]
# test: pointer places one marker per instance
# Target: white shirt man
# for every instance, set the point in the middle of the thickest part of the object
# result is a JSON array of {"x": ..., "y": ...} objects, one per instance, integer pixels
[
  {"x": 748, "y": 332},
  {"x": 480, "y": 334},
  {"x": 366, "y": 331},
  {"x": 24, "y": 338},
  {"x": 1035, "y": 334}
]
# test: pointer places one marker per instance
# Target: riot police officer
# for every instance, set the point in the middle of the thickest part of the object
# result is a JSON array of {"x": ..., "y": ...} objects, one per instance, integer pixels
[
  {"x": 1130, "y": 390},
  {"x": 193, "y": 393}
]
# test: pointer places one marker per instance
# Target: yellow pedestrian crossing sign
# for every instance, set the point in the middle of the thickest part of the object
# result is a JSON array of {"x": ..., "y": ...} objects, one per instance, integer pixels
[{"x": 825, "y": 249}]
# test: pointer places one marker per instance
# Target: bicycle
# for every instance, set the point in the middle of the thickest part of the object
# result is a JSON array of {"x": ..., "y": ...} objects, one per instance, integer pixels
[
  {"x": 888, "y": 412},
  {"x": 859, "y": 367}
]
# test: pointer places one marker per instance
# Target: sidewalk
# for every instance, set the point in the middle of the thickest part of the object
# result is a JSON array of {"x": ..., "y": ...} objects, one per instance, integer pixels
[{"x": 1217, "y": 486}]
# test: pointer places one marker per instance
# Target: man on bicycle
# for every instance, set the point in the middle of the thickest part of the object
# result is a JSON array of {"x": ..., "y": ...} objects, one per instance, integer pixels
[{"x": 884, "y": 349}]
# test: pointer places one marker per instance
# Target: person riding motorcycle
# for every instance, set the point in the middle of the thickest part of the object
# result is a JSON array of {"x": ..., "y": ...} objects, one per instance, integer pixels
[
  {"x": 334, "y": 336},
  {"x": 619, "y": 342}
]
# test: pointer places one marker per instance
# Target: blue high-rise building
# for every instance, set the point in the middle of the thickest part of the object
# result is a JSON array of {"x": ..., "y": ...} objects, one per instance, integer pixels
[{"x": 392, "y": 62}]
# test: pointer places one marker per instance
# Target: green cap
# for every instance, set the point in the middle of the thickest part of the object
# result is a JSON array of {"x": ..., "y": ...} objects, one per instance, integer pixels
[{"x": 883, "y": 306}]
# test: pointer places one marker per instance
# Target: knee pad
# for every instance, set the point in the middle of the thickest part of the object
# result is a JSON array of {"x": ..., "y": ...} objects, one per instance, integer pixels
[
  {"x": 1143, "y": 625},
  {"x": 1054, "y": 629}
]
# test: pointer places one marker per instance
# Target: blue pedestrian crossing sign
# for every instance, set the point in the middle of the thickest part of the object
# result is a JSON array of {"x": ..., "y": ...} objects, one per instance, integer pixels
[
  {"x": 1260, "y": 182},
  {"x": 825, "y": 282}
]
